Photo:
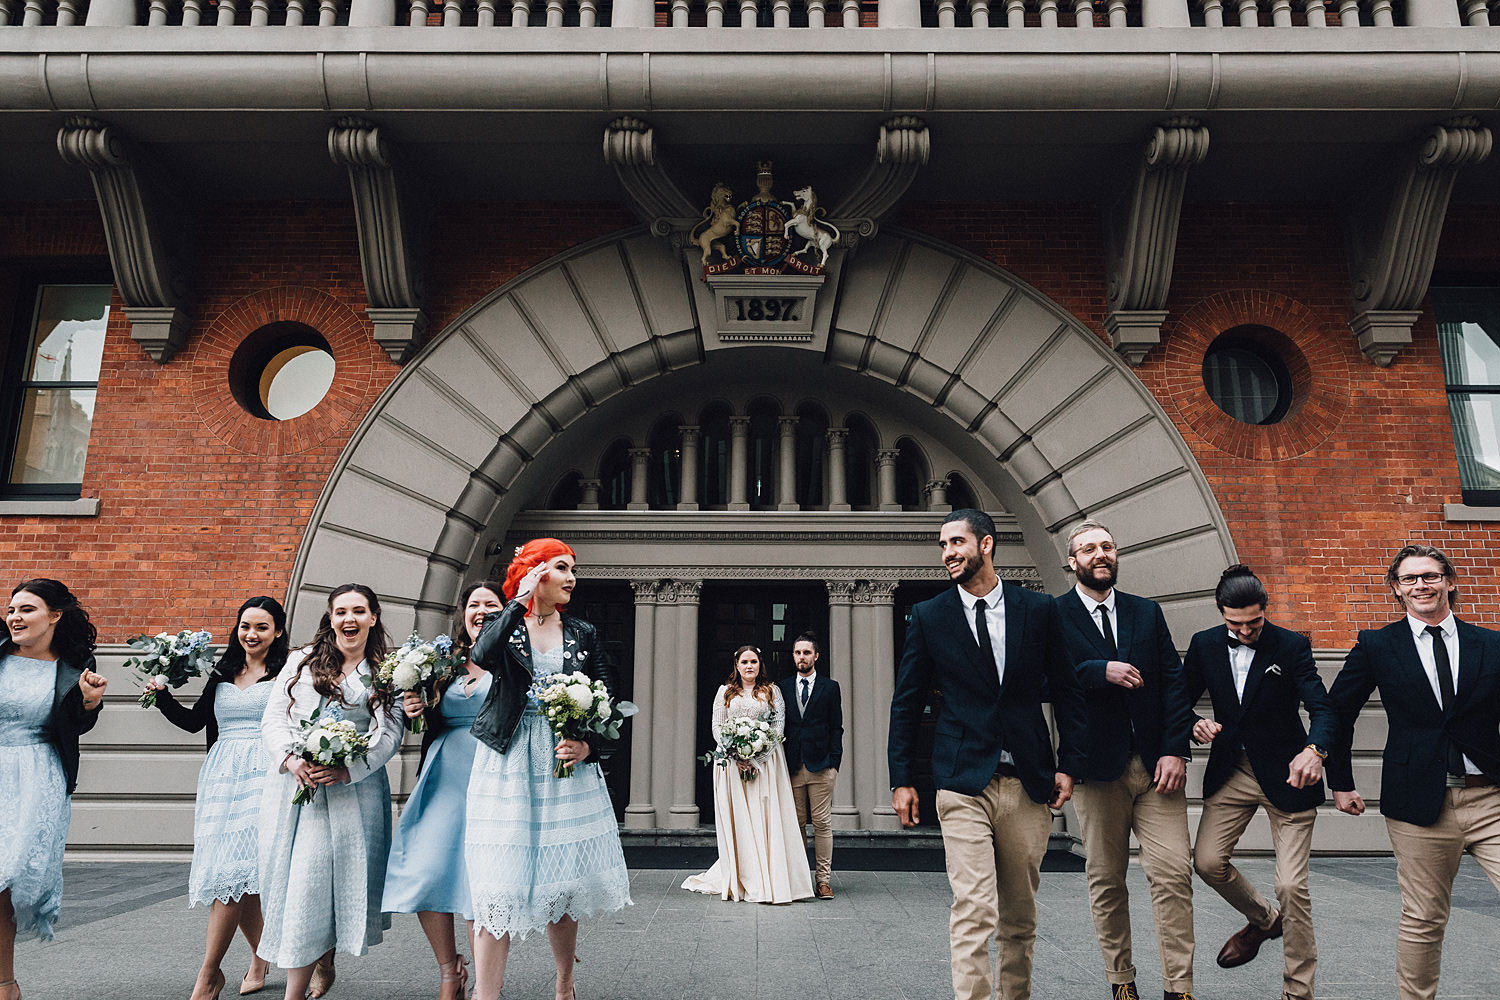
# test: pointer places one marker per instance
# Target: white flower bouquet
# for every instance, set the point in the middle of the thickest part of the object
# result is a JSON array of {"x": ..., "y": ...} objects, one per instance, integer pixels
[
  {"x": 742, "y": 739},
  {"x": 419, "y": 665},
  {"x": 575, "y": 705},
  {"x": 170, "y": 659},
  {"x": 327, "y": 743}
]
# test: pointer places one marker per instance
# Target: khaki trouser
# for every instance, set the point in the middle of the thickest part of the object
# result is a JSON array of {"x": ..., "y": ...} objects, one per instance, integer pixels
[
  {"x": 812, "y": 791},
  {"x": 1225, "y": 815},
  {"x": 1109, "y": 812},
  {"x": 994, "y": 842},
  {"x": 1426, "y": 864}
]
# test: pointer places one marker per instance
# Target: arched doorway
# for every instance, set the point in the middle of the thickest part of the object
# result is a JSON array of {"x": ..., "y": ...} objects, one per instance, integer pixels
[{"x": 570, "y": 378}]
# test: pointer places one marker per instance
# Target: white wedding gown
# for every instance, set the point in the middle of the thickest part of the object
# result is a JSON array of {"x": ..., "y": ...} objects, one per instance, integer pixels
[{"x": 761, "y": 857}]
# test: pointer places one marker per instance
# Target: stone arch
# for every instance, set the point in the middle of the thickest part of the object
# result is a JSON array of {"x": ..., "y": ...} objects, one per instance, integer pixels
[{"x": 1072, "y": 431}]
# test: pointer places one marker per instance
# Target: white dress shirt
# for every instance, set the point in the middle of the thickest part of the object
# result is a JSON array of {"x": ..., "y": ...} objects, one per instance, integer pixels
[
  {"x": 994, "y": 617},
  {"x": 811, "y": 680},
  {"x": 1092, "y": 607},
  {"x": 1424, "y": 642},
  {"x": 1239, "y": 666}
]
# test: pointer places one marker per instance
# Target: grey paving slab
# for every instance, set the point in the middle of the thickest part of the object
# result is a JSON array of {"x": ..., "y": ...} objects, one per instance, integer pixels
[{"x": 127, "y": 933}]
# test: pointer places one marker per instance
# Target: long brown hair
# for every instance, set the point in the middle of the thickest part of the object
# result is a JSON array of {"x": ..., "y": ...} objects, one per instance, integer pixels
[
  {"x": 762, "y": 689},
  {"x": 326, "y": 661}
]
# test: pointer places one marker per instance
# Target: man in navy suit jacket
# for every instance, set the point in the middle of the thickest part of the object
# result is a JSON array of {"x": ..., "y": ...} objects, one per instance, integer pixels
[
  {"x": 1139, "y": 722},
  {"x": 814, "y": 750},
  {"x": 992, "y": 648},
  {"x": 1439, "y": 681},
  {"x": 1256, "y": 674}
]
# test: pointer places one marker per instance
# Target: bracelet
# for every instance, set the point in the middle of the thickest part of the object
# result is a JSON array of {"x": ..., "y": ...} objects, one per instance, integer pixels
[{"x": 1322, "y": 754}]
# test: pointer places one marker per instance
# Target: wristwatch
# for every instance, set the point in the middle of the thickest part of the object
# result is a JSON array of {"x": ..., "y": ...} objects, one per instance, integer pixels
[{"x": 1322, "y": 754}]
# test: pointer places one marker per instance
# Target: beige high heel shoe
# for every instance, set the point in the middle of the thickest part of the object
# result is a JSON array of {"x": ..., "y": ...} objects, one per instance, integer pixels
[
  {"x": 322, "y": 978},
  {"x": 8, "y": 984},
  {"x": 455, "y": 972}
]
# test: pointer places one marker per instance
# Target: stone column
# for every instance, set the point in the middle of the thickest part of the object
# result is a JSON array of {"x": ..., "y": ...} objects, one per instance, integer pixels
[
  {"x": 786, "y": 470},
  {"x": 860, "y": 722},
  {"x": 666, "y": 677},
  {"x": 882, "y": 689},
  {"x": 936, "y": 493},
  {"x": 838, "y": 482},
  {"x": 687, "y": 490},
  {"x": 683, "y": 814},
  {"x": 640, "y": 467},
  {"x": 633, "y": 14},
  {"x": 739, "y": 462},
  {"x": 1165, "y": 14},
  {"x": 885, "y": 462},
  {"x": 1432, "y": 14},
  {"x": 841, "y": 669},
  {"x": 640, "y": 814},
  {"x": 590, "y": 488},
  {"x": 899, "y": 14}
]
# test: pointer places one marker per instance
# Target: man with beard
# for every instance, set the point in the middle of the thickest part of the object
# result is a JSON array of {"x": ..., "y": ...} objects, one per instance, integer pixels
[
  {"x": 1135, "y": 762},
  {"x": 990, "y": 648},
  {"x": 1439, "y": 681}
]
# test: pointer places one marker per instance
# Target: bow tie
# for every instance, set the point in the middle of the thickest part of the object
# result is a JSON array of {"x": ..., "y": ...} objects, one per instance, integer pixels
[{"x": 1236, "y": 644}]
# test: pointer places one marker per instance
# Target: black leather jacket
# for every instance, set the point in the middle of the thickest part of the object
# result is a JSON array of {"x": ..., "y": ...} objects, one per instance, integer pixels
[
  {"x": 69, "y": 719},
  {"x": 504, "y": 649}
]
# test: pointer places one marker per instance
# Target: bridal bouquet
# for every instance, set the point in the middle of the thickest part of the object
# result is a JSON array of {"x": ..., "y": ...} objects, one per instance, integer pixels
[
  {"x": 418, "y": 666},
  {"x": 742, "y": 738},
  {"x": 574, "y": 705},
  {"x": 330, "y": 743},
  {"x": 170, "y": 659}
]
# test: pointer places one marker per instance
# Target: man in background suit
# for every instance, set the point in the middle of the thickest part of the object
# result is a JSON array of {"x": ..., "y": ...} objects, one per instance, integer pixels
[
  {"x": 1256, "y": 674},
  {"x": 991, "y": 648},
  {"x": 814, "y": 749},
  {"x": 1135, "y": 764},
  {"x": 1439, "y": 681}
]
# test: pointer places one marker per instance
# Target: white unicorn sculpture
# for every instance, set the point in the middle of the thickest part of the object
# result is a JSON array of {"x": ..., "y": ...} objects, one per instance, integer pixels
[{"x": 819, "y": 235}]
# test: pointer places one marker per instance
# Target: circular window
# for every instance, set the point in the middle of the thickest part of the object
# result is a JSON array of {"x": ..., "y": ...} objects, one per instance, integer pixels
[
  {"x": 1247, "y": 378},
  {"x": 281, "y": 371}
]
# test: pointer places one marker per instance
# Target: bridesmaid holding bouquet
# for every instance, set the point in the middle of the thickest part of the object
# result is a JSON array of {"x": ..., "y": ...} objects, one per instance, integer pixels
[
  {"x": 225, "y": 875},
  {"x": 426, "y": 874}
]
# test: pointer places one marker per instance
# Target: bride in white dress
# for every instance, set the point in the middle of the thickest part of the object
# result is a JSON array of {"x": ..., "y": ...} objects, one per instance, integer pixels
[{"x": 761, "y": 856}]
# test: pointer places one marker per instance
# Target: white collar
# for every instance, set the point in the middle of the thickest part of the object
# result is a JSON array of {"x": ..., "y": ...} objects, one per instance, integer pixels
[
  {"x": 1418, "y": 627},
  {"x": 971, "y": 599},
  {"x": 1092, "y": 606}
]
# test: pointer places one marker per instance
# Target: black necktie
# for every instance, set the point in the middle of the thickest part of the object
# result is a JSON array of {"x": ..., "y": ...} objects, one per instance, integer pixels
[
  {"x": 1445, "y": 684},
  {"x": 982, "y": 632},
  {"x": 804, "y": 694},
  {"x": 1109, "y": 633}
]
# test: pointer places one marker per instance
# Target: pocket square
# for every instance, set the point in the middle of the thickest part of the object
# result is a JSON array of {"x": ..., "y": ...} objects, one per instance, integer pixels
[{"x": 1274, "y": 669}]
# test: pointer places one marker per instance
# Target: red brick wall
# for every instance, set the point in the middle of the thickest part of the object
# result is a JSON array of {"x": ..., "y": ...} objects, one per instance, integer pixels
[
  {"x": 1319, "y": 517},
  {"x": 202, "y": 505}
]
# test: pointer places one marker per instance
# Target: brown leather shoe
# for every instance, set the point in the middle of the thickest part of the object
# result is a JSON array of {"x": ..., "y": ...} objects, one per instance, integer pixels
[
  {"x": 823, "y": 891},
  {"x": 1245, "y": 944},
  {"x": 1123, "y": 991}
]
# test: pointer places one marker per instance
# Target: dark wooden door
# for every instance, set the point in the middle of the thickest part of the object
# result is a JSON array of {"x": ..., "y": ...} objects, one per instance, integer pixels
[
  {"x": 610, "y": 606},
  {"x": 769, "y": 616}
]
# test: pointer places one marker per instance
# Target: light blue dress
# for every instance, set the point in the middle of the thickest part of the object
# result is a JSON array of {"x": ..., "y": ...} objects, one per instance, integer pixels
[
  {"x": 540, "y": 848},
  {"x": 227, "y": 817},
  {"x": 426, "y": 870},
  {"x": 34, "y": 792}
]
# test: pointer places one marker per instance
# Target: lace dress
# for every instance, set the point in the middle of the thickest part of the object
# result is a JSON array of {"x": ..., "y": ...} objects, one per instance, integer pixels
[
  {"x": 322, "y": 865},
  {"x": 426, "y": 870},
  {"x": 34, "y": 792},
  {"x": 226, "y": 817},
  {"x": 761, "y": 855},
  {"x": 540, "y": 848}
]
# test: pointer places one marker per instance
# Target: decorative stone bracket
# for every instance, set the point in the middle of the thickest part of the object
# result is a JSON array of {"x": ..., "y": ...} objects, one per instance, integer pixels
[
  {"x": 1393, "y": 235},
  {"x": 390, "y": 241},
  {"x": 148, "y": 235},
  {"x": 1141, "y": 237},
  {"x": 901, "y": 150}
]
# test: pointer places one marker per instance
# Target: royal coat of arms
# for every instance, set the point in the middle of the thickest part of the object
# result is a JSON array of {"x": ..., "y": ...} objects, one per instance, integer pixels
[{"x": 764, "y": 235}]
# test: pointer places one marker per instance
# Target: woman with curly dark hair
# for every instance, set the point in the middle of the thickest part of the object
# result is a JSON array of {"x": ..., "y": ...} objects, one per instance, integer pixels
[
  {"x": 49, "y": 696},
  {"x": 225, "y": 876},
  {"x": 322, "y": 865}
]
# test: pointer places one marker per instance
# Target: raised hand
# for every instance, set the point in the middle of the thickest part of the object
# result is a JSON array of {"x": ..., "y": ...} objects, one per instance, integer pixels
[
  {"x": 92, "y": 685},
  {"x": 529, "y": 582}
]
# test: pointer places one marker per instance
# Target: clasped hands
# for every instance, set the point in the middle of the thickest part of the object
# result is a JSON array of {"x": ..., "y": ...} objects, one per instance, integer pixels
[
  {"x": 1305, "y": 770},
  {"x": 310, "y": 775}
]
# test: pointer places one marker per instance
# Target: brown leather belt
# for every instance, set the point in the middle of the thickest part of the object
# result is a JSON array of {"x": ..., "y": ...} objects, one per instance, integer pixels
[
  {"x": 1006, "y": 771},
  {"x": 1470, "y": 781}
]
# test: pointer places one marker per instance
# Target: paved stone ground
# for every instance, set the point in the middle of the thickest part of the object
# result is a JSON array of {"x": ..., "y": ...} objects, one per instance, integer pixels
[{"x": 128, "y": 934}]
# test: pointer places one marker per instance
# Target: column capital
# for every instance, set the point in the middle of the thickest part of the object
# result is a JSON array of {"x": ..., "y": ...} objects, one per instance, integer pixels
[
  {"x": 645, "y": 591},
  {"x": 840, "y": 591},
  {"x": 887, "y": 456},
  {"x": 690, "y": 432},
  {"x": 739, "y": 423},
  {"x": 837, "y": 436},
  {"x": 642, "y": 454},
  {"x": 785, "y": 422},
  {"x": 881, "y": 591},
  {"x": 687, "y": 591}
]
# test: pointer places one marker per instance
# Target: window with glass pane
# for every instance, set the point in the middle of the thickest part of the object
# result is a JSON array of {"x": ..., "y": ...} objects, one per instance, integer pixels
[
  {"x": 1468, "y": 322},
  {"x": 59, "y": 385}
]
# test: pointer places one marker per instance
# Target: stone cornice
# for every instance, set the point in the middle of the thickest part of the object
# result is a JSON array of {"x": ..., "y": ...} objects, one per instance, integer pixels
[{"x": 672, "y": 577}]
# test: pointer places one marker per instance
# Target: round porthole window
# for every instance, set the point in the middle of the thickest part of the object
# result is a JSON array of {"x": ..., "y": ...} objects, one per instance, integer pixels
[
  {"x": 281, "y": 371},
  {"x": 1246, "y": 376}
]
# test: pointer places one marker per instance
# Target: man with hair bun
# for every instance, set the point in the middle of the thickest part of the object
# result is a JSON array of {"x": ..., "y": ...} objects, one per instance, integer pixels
[
  {"x": 814, "y": 750},
  {"x": 1439, "y": 681},
  {"x": 1256, "y": 674}
]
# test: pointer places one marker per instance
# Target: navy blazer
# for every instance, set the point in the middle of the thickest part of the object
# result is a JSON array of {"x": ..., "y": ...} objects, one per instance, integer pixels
[
  {"x": 980, "y": 716},
  {"x": 1159, "y": 709},
  {"x": 1413, "y": 774},
  {"x": 815, "y": 735},
  {"x": 1266, "y": 723}
]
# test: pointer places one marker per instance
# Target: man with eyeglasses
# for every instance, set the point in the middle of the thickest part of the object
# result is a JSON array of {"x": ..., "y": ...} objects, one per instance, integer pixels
[{"x": 1439, "y": 681}]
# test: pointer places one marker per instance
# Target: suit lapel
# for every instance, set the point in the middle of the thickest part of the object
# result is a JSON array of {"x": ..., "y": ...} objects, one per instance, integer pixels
[
  {"x": 1265, "y": 655},
  {"x": 956, "y": 624},
  {"x": 1124, "y": 624},
  {"x": 1085, "y": 623},
  {"x": 1411, "y": 666},
  {"x": 1470, "y": 660},
  {"x": 1015, "y": 625}
]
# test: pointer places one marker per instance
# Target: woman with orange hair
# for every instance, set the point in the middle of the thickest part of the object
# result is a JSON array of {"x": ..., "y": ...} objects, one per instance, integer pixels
[{"x": 541, "y": 851}]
